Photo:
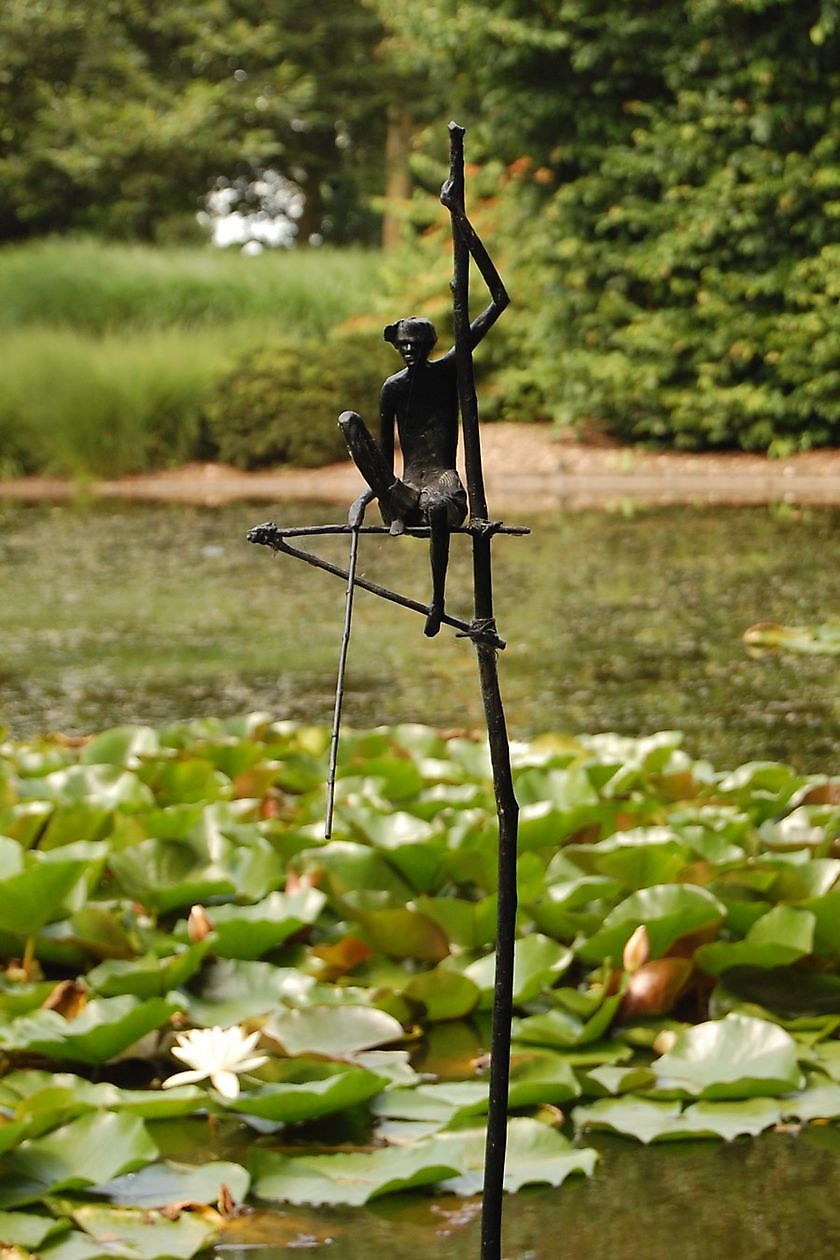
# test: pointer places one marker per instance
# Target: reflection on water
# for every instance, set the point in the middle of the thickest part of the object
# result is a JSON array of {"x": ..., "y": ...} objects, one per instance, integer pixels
[{"x": 633, "y": 624}]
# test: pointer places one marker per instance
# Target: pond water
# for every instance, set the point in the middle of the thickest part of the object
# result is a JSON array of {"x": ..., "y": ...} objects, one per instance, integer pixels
[{"x": 627, "y": 623}]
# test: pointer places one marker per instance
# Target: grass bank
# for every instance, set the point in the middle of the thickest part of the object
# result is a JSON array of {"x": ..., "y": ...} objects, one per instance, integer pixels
[{"x": 108, "y": 349}]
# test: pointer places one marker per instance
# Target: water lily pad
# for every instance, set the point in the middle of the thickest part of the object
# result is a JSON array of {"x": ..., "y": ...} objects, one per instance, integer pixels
[
  {"x": 735, "y": 1057},
  {"x": 538, "y": 962},
  {"x": 29, "y": 1229},
  {"x": 133, "y": 1235},
  {"x": 250, "y": 931},
  {"x": 319, "y": 1030},
  {"x": 535, "y": 1155},
  {"x": 563, "y": 1028},
  {"x": 351, "y": 1179},
  {"x": 103, "y": 1030},
  {"x": 38, "y": 892},
  {"x": 443, "y": 994},
  {"x": 404, "y": 933},
  {"x": 539, "y": 1076},
  {"x": 86, "y": 1152},
  {"x": 820, "y": 1100},
  {"x": 232, "y": 990},
  {"x": 651, "y": 1120},
  {"x": 668, "y": 911},
  {"x": 295, "y": 1102},
  {"x": 160, "y": 1184},
  {"x": 778, "y": 938},
  {"x": 149, "y": 976},
  {"x": 443, "y": 1101}
]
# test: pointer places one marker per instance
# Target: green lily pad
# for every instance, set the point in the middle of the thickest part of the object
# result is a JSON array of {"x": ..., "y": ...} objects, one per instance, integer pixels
[
  {"x": 87, "y": 1152},
  {"x": 735, "y": 1057},
  {"x": 320, "y": 1030},
  {"x": 443, "y": 1101},
  {"x": 444, "y": 994},
  {"x": 132, "y": 1235},
  {"x": 231, "y": 991},
  {"x": 250, "y": 931},
  {"x": 668, "y": 911},
  {"x": 160, "y": 1184},
  {"x": 535, "y": 1155},
  {"x": 820, "y": 1100},
  {"x": 38, "y": 892},
  {"x": 29, "y": 1229},
  {"x": 295, "y": 1102},
  {"x": 104, "y": 1029},
  {"x": 403, "y": 933},
  {"x": 651, "y": 1120},
  {"x": 563, "y": 1028},
  {"x": 538, "y": 962},
  {"x": 778, "y": 938},
  {"x": 539, "y": 1076},
  {"x": 352, "y": 1179},
  {"x": 149, "y": 976}
]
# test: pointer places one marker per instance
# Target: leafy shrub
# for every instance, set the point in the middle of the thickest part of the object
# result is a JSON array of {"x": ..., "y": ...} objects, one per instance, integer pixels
[{"x": 281, "y": 403}]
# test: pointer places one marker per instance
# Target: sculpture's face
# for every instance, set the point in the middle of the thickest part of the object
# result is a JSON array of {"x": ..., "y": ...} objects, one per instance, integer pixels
[{"x": 412, "y": 348}]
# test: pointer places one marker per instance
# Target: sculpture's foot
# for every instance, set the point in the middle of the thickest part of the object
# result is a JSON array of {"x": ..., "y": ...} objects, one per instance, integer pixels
[
  {"x": 433, "y": 622},
  {"x": 397, "y": 527}
]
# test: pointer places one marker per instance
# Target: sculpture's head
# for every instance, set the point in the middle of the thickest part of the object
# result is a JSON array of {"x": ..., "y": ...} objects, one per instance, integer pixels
[{"x": 413, "y": 337}]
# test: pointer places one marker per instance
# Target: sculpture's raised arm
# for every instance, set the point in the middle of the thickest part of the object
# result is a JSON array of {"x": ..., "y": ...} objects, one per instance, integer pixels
[{"x": 482, "y": 324}]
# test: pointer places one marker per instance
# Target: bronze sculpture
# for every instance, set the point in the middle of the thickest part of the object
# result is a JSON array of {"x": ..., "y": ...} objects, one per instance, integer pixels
[
  {"x": 430, "y": 500},
  {"x": 421, "y": 403}
]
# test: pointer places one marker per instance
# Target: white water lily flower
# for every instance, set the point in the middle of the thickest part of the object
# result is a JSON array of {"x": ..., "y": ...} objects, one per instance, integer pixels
[{"x": 217, "y": 1053}]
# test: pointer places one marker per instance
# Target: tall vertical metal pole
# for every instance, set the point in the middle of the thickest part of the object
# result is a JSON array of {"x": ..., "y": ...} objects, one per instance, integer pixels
[{"x": 506, "y": 804}]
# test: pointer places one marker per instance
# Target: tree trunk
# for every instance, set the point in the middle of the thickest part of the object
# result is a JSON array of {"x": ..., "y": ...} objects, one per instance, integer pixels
[{"x": 397, "y": 174}]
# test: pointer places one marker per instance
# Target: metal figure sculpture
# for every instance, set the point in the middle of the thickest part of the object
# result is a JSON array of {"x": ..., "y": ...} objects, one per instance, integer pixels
[{"x": 422, "y": 403}]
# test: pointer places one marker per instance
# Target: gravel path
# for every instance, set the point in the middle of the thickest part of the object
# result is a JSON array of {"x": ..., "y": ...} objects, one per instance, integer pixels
[{"x": 525, "y": 465}]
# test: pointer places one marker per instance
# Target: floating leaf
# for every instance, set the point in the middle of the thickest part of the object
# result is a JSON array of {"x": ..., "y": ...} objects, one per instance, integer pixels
[
  {"x": 38, "y": 892},
  {"x": 350, "y": 1179},
  {"x": 668, "y": 911},
  {"x": 535, "y": 1155},
  {"x": 318, "y": 1030},
  {"x": 124, "y": 1233},
  {"x": 160, "y": 1184},
  {"x": 247, "y": 932},
  {"x": 86, "y": 1152},
  {"x": 442, "y": 1102},
  {"x": 735, "y": 1057},
  {"x": 443, "y": 994},
  {"x": 231, "y": 991},
  {"x": 29, "y": 1229},
  {"x": 779, "y": 937},
  {"x": 404, "y": 933},
  {"x": 538, "y": 1076},
  {"x": 149, "y": 976},
  {"x": 652, "y": 1120},
  {"x": 329, "y": 1090},
  {"x": 104, "y": 1029},
  {"x": 538, "y": 962},
  {"x": 562, "y": 1028}
]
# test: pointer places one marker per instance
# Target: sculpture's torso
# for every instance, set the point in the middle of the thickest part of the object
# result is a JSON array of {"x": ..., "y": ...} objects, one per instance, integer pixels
[{"x": 424, "y": 401}]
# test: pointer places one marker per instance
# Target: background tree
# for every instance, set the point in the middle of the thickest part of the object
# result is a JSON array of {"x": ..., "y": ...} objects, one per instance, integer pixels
[
  {"x": 671, "y": 207},
  {"x": 118, "y": 117}
]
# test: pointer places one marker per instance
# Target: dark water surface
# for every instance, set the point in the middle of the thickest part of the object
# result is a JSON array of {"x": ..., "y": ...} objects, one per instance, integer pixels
[{"x": 627, "y": 623}]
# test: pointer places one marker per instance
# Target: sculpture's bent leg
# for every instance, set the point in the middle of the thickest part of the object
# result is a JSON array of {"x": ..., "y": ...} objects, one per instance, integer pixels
[{"x": 396, "y": 499}]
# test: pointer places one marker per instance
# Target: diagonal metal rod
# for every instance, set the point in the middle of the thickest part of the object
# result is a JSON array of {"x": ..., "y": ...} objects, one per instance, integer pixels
[
  {"x": 339, "y": 682},
  {"x": 469, "y": 629}
]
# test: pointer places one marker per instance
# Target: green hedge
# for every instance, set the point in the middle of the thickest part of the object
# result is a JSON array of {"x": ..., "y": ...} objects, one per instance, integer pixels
[{"x": 281, "y": 403}]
